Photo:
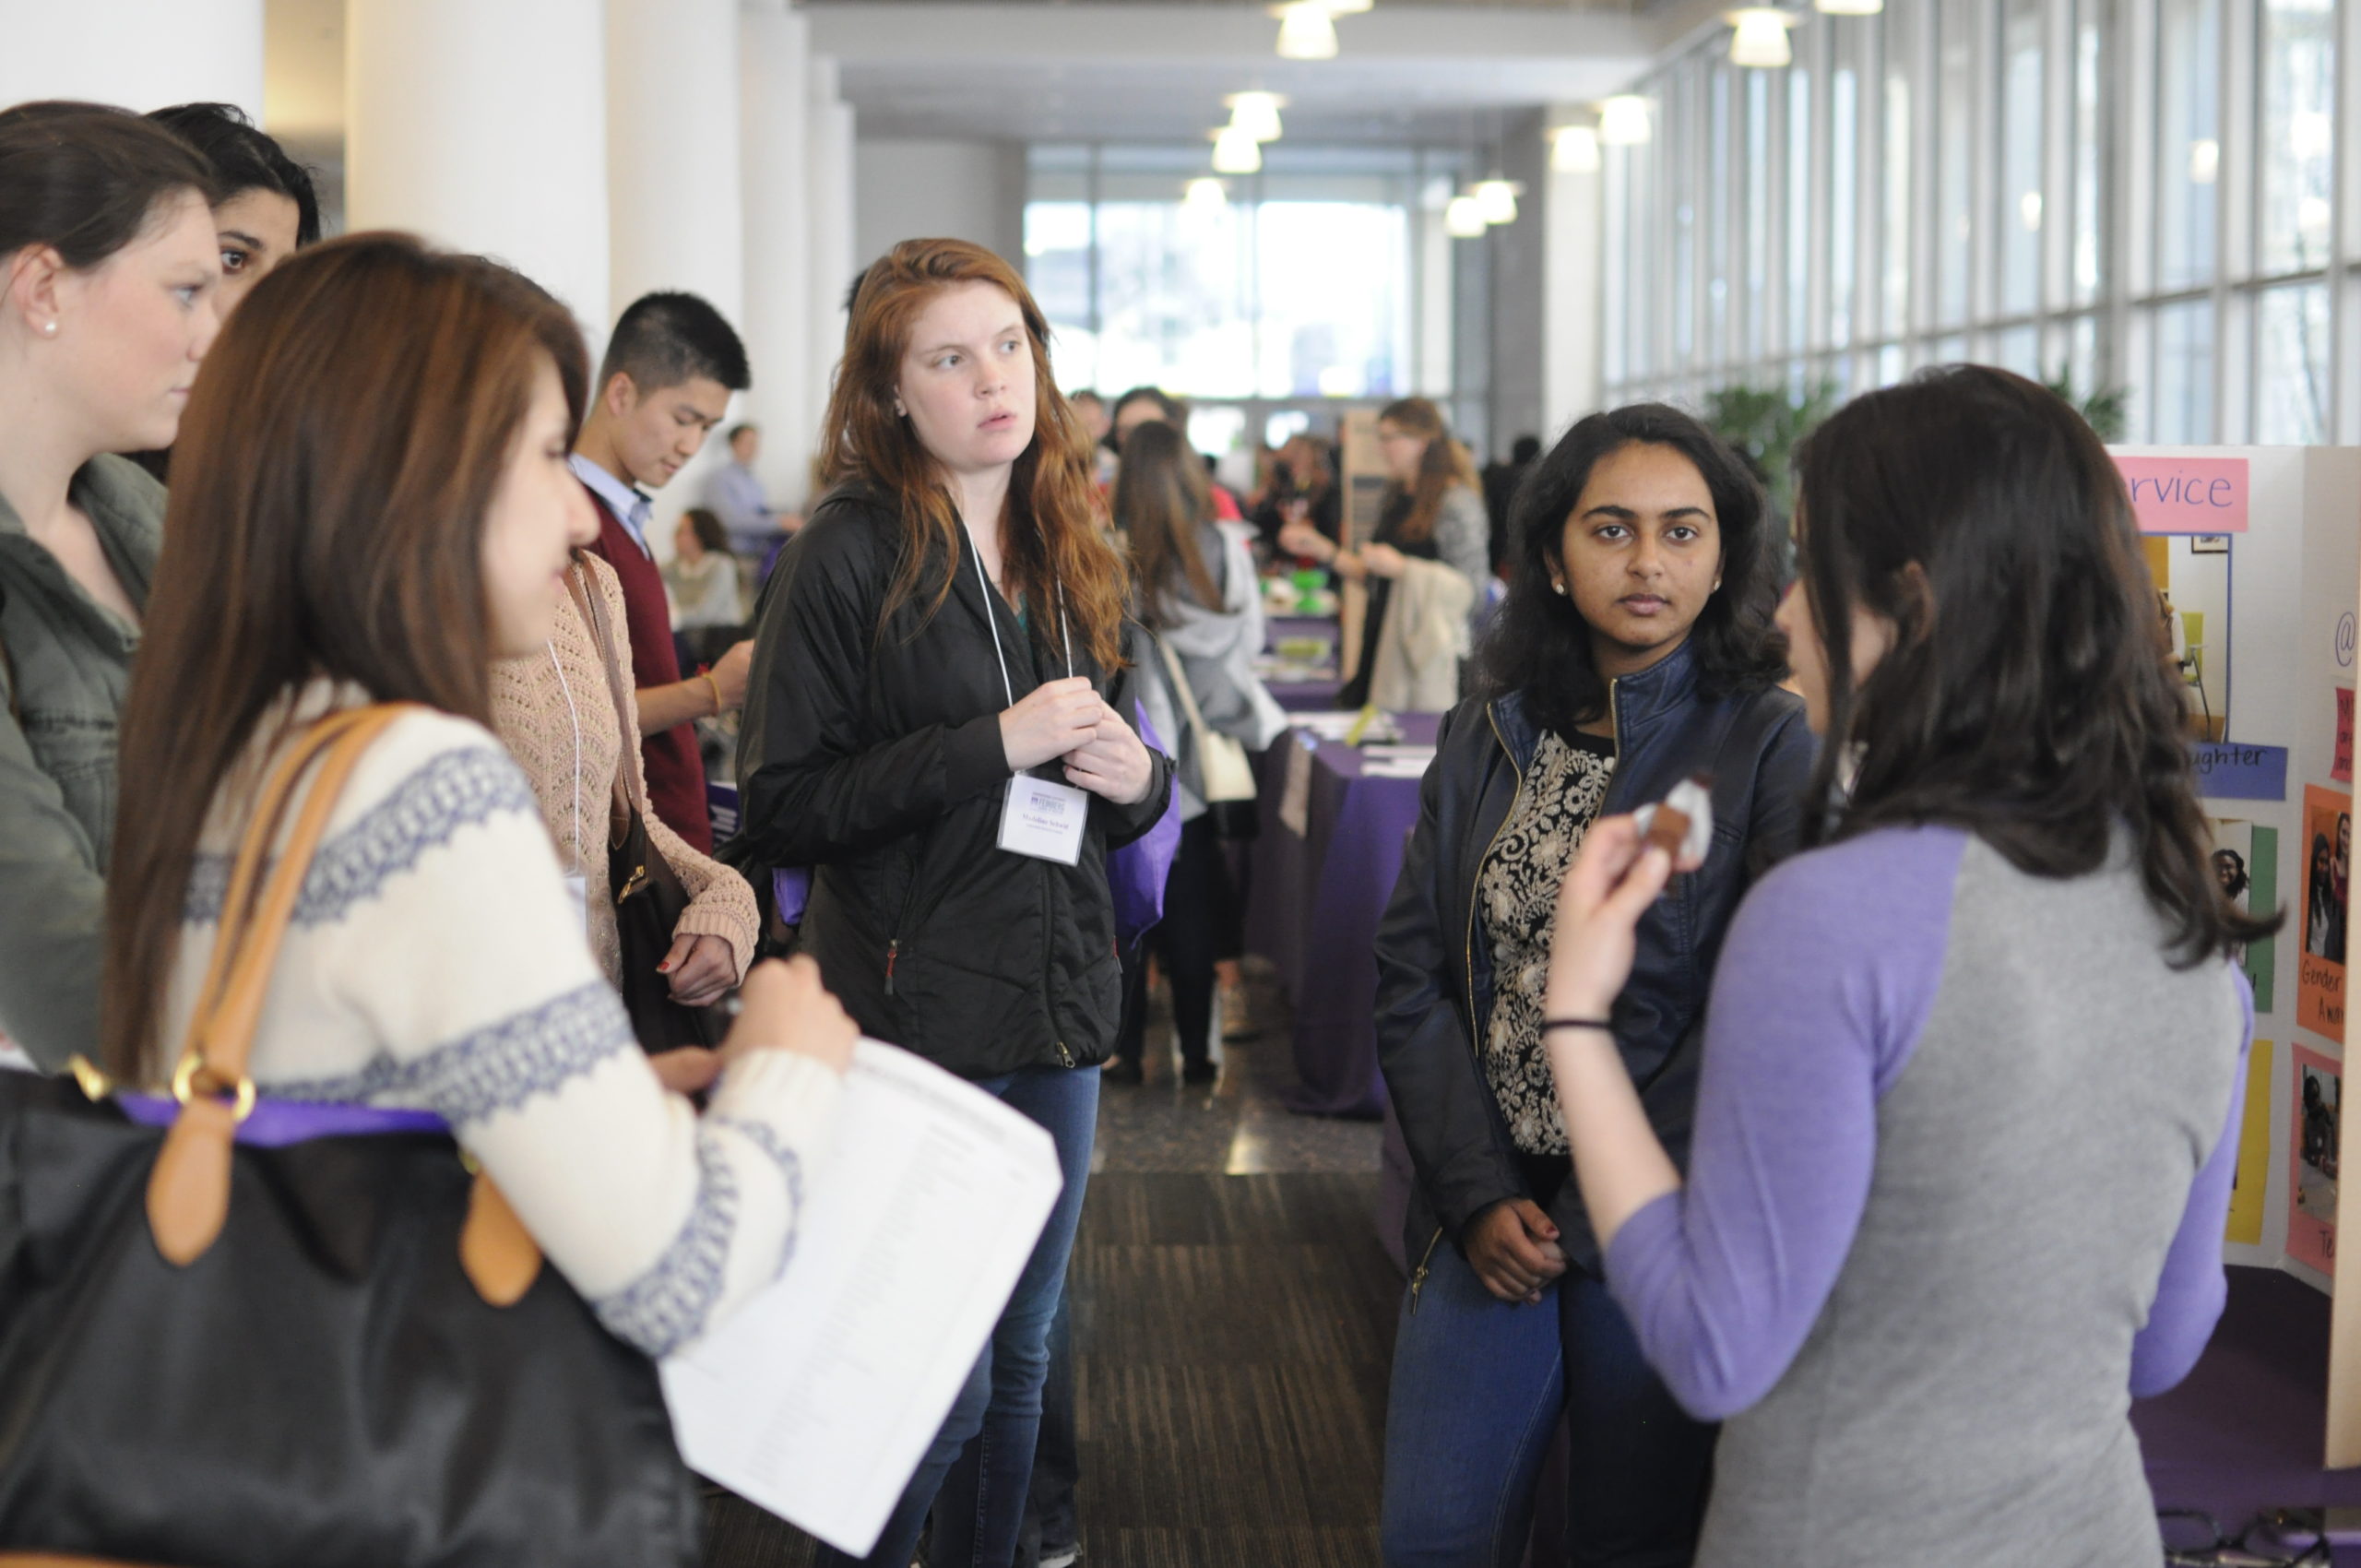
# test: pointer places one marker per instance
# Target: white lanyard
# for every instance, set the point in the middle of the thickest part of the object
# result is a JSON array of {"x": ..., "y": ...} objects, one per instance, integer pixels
[
  {"x": 994, "y": 621},
  {"x": 1040, "y": 817}
]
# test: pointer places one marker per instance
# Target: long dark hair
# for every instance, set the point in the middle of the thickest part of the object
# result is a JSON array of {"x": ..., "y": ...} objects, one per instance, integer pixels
[
  {"x": 1442, "y": 465},
  {"x": 343, "y": 443},
  {"x": 1052, "y": 500},
  {"x": 1162, "y": 499},
  {"x": 2022, "y": 698},
  {"x": 246, "y": 158},
  {"x": 1539, "y": 643},
  {"x": 85, "y": 178}
]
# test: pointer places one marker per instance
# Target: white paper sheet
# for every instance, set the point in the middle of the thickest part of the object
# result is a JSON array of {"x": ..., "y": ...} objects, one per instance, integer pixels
[
  {"x": 817, "y": 1400},
  {"x": 1396, "y": 762}
]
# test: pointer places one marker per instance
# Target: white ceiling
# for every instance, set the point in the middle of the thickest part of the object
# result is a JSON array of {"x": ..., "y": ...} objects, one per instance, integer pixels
[
  {"x": 1435, "y": 71},
  {"x": 1131, "y": 70}
]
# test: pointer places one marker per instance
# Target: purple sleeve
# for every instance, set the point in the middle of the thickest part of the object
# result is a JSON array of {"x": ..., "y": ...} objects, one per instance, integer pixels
[
  {"x": 1827, "y": 978},
  {"x": 2192, "y": 1288}
]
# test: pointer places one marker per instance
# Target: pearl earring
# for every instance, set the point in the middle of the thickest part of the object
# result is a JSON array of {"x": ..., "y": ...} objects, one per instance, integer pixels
[
  {"x": 1556, "y": 586},
  {"x": 49, "y": 329}
]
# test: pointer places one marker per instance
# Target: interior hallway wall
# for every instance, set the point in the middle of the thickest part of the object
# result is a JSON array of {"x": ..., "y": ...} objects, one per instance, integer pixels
[{"x": 964, "y": 190}]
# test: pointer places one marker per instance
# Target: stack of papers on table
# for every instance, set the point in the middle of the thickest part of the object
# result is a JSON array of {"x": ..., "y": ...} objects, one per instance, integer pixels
[
  {"x": 1333, "y": 726},
  {"x": 1396, "y": 762},
  {"x": 818, "y": 1398}
]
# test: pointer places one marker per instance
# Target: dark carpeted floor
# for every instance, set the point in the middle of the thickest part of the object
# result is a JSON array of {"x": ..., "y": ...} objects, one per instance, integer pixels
[{"x": 1231, "y": 1332}]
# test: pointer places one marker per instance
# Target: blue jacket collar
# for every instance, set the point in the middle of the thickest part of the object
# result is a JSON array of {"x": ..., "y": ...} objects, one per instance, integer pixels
[{"x": 1640, "y": 700}]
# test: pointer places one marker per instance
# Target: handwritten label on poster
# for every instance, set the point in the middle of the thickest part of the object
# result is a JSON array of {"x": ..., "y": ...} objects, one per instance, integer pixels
[
  {"x": 2228, "y": 771},
  {"x": 2341, "y": 770},
  {"x": 2312, "y": 1175},
  {"x": 2327, "y": 851},
  {"x": 2252, "y": 1178},
  {"x": 2186, "y": 494}
]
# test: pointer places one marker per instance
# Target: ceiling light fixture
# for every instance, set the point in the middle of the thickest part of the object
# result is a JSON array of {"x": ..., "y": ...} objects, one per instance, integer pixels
[
  {"x": 1573, "y": 149},
  {"x": 1255, "y": 114},
  {"x": 1496, "y": 200},
  {"x": 1343, "y": 7},
  {"x": 1305, "y": 31},
  {"x": 1623, "y": 120},
  {"x": 1205, "y": 194},
  {"x": 1849, "y": 7},
  {"x": 1237, "y": 153},
  {"x": 1464, "y": 218},
  {"x": 1760, "y": 41}
]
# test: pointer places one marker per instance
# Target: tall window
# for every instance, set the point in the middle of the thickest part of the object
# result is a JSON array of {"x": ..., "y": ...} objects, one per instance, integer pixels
[
  {"x": 2144, "y": 194},
  {"x": 1301, "y": 281}
]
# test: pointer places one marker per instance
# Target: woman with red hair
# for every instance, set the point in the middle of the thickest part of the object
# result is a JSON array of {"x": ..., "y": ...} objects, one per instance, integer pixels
[{"x": 939, "y": 724}]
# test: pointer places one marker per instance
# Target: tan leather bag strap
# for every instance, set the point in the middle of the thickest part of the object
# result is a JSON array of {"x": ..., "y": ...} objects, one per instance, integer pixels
[
  {"x": 188, "y": 1191},
  {"x": 227, "y": 1058}
]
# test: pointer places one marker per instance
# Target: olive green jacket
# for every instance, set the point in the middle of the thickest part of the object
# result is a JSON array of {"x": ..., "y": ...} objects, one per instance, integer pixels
[{"x": 68, "y": 662}]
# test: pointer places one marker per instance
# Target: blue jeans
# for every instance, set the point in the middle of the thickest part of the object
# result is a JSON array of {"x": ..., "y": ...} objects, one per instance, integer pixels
[
  {"x": 1478, "y": 1386},
  {"x": 979, "y": 1505}
]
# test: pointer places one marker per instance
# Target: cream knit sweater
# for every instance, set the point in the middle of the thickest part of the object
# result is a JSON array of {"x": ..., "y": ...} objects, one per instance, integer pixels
[
  {"x": 556, "y": 715},
  {"x": 433, "y": 964}
]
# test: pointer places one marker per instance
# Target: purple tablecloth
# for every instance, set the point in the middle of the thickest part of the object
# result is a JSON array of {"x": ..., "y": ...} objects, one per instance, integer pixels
[
  {"x": 2244, "y": 1433},
  {"x": 1315, "y": 908}
]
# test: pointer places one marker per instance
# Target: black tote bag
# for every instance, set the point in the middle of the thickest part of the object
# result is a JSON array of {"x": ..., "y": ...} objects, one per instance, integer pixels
[{"x": 321, "y": 1380}]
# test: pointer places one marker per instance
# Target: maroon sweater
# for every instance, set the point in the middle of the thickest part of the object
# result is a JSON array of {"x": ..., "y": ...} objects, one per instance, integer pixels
[{"x": 675, "y": 771}]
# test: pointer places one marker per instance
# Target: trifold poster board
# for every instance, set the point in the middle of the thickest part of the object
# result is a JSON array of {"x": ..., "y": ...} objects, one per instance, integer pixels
[{"x": 2257, "y": 556}]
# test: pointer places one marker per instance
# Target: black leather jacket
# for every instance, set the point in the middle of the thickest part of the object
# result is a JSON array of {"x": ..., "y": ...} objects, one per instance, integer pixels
[
  {"x": 1434, "y": 985},
  {"x": 873, "y": 756}
]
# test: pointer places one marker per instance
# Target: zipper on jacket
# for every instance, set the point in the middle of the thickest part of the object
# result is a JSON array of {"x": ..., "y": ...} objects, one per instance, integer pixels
[
  {"x": 1065, "y": 1057},
  {"x": 1418, "y": 1276},
  {"x": 1475, "y": 903},
  {"x": 1615, "y": 714}
]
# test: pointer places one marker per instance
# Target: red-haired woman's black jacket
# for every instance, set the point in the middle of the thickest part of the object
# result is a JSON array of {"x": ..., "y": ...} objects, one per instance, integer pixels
[{"x": 873, "y": 756}]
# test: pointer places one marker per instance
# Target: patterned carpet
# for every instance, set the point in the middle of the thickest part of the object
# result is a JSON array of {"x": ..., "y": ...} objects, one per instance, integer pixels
[{"x": 1231, "y": 1334}]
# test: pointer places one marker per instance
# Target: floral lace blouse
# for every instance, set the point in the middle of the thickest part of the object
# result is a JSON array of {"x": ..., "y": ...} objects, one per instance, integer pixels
[{"x": 1517, "y": 892}]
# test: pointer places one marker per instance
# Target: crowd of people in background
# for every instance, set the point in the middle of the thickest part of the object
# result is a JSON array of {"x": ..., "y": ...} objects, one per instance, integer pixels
[{"x": 1756, "y": 1148}]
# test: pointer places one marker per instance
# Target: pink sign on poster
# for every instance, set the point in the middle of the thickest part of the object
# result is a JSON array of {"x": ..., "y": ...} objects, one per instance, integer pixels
[{"x": 2186, "y": 494}]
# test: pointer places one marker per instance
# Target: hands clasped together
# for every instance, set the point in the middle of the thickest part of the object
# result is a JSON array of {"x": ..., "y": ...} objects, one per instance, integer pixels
[{"x": 1068, "y": 718}]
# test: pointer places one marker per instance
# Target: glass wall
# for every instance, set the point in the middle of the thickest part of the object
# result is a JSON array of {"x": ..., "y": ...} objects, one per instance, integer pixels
[
  {"x": 1311, "y": 279},
  {"x": 2132, "y": 193}
]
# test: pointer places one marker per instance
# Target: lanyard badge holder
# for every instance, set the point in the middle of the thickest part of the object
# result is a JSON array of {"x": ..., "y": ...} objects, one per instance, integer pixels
[{"x": 1040, "y": 817}]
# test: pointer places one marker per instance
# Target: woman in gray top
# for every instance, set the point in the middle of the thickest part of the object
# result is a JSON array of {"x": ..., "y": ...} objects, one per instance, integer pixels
[
  {"x": 110, "y": 264},
  {"x": 1433, "y": 511},
  {"x": 1919, "y": 1279}
]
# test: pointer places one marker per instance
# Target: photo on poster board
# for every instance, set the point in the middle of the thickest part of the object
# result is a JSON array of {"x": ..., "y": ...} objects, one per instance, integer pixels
[
  {"x": 2193, "y": 627},
  {"x": 2250, "y": 1179},
  {"x": 2311, "y": 1186},
  {"x": 2246, "y": 864},
  {"x": 2327, "y": 858},
  {"x": 2341, "y": 766}
]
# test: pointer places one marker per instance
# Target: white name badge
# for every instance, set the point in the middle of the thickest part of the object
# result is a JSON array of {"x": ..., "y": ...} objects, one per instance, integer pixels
[
  {"x": 578, "y": 887},
  {"x": 1044, "y": 819}
]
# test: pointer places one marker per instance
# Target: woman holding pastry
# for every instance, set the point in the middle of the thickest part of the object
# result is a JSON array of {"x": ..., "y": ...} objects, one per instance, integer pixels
[{"x": 1635, "y": 649}]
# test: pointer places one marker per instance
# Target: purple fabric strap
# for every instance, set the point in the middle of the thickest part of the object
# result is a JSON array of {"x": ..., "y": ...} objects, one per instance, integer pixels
[{"x": 278, "y": 1123}]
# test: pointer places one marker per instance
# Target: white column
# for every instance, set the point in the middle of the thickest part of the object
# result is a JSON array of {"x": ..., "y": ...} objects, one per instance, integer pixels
[
  {"x": 1573, "y": 212},
  {"x": 672, "y": 159},
  {"x": 833, "y": 258},
  {"x": 774, "y": 47},
  {"x": 673, "y": 199},
  {"x": 481, "y": 125},
  {"x": 142, "y": 54}
]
